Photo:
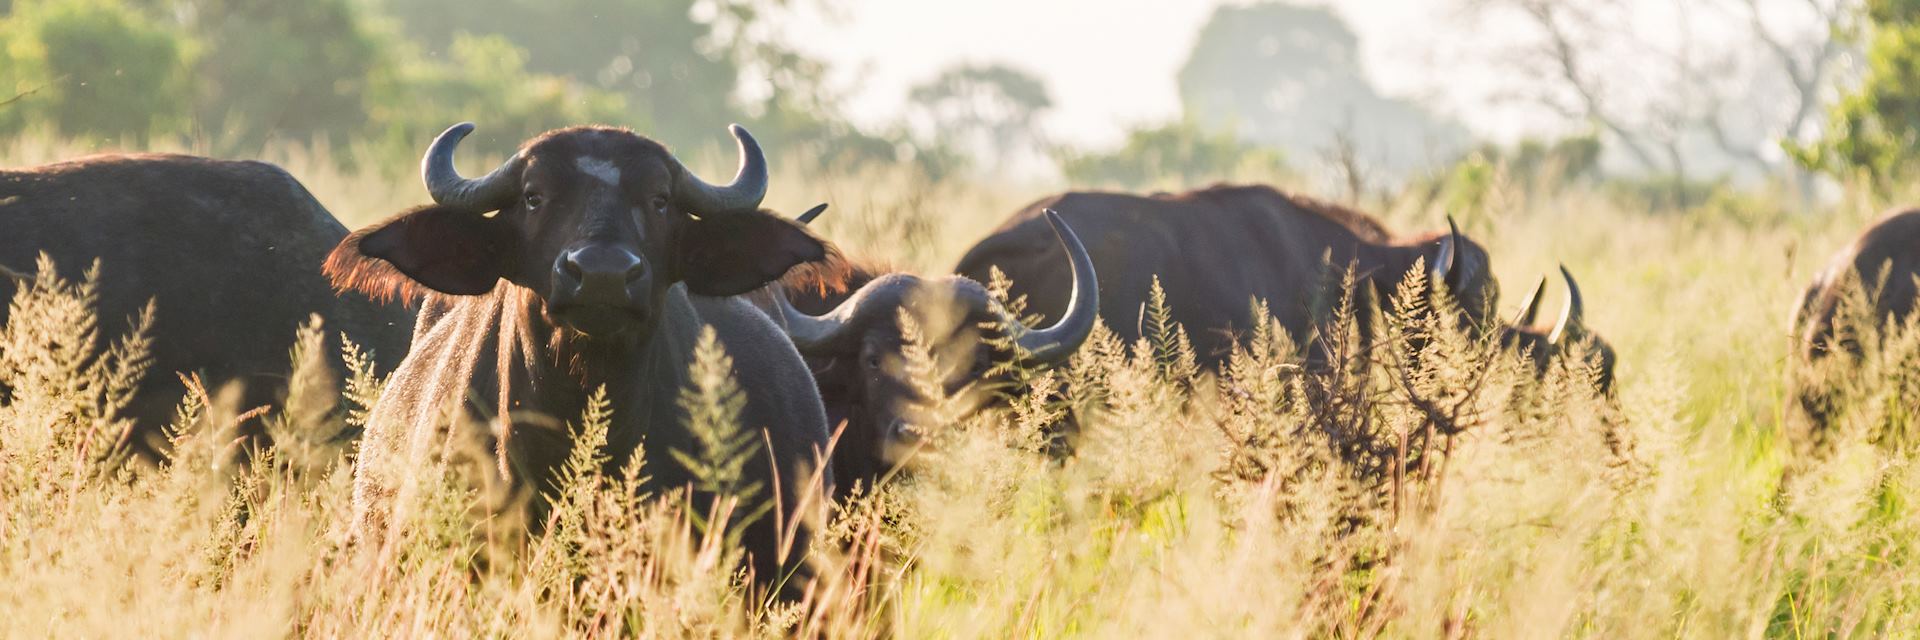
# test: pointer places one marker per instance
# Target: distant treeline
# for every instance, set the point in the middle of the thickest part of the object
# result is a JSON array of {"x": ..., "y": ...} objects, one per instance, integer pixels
[
  {"x": 378, "y": 77},
  {"x": 1268, "y": 89},
  {"x": 382, "y": 76}
]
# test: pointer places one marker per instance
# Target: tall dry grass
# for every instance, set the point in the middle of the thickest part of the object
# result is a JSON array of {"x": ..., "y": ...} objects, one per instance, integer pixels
[{"x": 1428, "y": 487}]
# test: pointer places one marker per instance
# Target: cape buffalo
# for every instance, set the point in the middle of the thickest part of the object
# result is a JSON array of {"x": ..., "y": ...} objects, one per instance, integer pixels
[
  {"x": 229, "y": 253},
  {"x": 1541, "y": 343},
  {"x": 588, "y": 260},
  {"x": 1883, "y": 264},
  {"x": 856, "y": 351},
  {"x": 1213, "y": 251}
]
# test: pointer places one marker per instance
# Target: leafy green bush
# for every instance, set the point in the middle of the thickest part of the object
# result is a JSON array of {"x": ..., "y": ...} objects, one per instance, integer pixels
[
  {"x": 92, "y": 69},
  {"x": 1873, "y": 132},
  {"x": 1181, "y": 152},
  {"x": 1663, "y": 193},
  {"x": 293, "y": 71},
  {"x": 231, "y": 77},
  {"x": 484, "y": 79},
  {"x": 677, "y": 63}
]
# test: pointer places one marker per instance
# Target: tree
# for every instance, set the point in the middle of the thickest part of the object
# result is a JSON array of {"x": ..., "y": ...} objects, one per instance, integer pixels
[
  {"x": 91, "y": 68},
  {"x": 287, "y": 70},
  {"x": 1290, "y": 77},
  {"x": 1566, "y": 54},
  {"x": 1807, "y": 60},
  {"x": 237, "y": 75},
  {"x": 482, "y": 78},
  {"x": 1676, "y": 98},
  {"x": 678, "y": 62},
  {"x": 1874, "y": 131},
  {"x": 991, "y": 110}
]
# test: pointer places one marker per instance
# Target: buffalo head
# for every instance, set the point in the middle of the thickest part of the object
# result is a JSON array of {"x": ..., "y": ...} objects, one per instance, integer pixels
[
  {"x": 1461, "y": 265},
  {"x": 859, "y": 350},
  {"x": 1540, "y": 344},
  {"x": 597, "y": 222}
]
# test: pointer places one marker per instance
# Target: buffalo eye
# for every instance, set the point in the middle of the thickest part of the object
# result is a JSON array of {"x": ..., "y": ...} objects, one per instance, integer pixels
[
  {"x": 534, "y": 200},
  {"x": 873, "y": 361},
  {"x": 659, "y": 204}
]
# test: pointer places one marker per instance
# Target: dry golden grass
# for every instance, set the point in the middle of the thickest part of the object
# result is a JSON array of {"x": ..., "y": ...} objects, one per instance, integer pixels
[{"x": 1264, "y": 502}]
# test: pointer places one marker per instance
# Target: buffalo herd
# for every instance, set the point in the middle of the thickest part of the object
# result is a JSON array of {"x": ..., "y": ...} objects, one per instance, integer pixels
[{"x": 590, "y": 266}]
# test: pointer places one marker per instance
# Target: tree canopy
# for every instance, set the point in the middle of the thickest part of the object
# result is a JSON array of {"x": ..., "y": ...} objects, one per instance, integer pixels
[{"x": 1290, "y": 76}]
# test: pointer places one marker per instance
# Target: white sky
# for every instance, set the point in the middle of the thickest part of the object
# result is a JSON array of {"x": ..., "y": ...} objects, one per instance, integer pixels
[{"x": 1111, "y": 63}]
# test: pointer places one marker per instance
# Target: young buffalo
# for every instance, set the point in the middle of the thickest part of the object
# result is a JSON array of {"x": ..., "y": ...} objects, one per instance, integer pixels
[
  {"x": 590, "y": 259},
  {"x": 857, "y": 351}
]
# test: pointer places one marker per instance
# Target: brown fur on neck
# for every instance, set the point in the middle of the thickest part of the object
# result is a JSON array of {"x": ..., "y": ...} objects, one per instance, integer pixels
[{"x": 836, "y": 274}]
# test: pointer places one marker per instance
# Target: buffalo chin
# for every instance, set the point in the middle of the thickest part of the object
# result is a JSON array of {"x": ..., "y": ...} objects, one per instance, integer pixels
[{"x": 598, "y": 321}]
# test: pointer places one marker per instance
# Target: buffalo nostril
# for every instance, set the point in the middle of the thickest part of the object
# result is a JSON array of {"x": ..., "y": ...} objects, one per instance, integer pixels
[{"x": 600, "y": 274}]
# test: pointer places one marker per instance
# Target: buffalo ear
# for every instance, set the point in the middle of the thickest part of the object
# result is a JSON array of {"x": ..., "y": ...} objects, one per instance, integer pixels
[
  {"x": 452, "y": 251},
  {"x": 733, "y": 254}
]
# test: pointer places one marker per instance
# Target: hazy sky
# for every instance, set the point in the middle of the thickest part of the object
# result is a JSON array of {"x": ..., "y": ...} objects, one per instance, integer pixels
[{"x": 1111, "y": 63}]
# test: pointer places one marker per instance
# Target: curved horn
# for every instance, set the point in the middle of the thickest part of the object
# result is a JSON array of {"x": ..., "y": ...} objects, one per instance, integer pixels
[
  {"x": 807, "y": 218},
  {"x": 486, "y": 193},
  {"x": 1443, "y": 259},
  {"x": 744, "y": 194},
  {"x": 1530, "y": 308},
  {"x": 1571, "y": 317},
  {"x": 808, "y": 333},
  {"x": 1056, "y": 343},
  {"x": 813, "y": 335}
]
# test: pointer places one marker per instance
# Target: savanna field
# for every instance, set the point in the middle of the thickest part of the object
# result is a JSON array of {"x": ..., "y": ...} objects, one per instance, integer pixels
[
  {"x": 1430, "y": 487},
  {"x": 609, "y": 416}
]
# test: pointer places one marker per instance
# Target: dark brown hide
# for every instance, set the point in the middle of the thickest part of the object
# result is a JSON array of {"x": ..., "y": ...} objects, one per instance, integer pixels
[
  {"x": 1882, "y": 264},
  {"x": 230, "y": 252},
  {"x": 603, "y": 260},
  {"x": 1214, "y": 250}
]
